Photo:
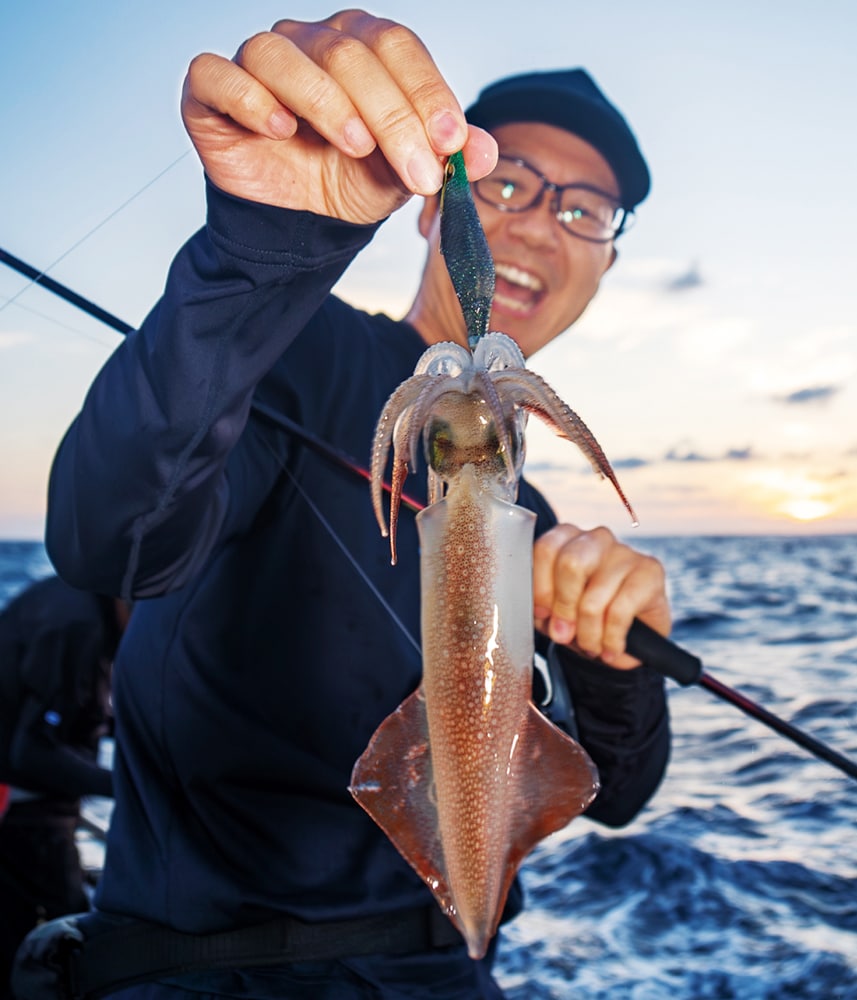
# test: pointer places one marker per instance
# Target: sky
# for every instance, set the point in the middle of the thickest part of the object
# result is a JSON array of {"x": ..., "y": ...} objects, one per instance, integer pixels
[{"x": 718, "y": 364}]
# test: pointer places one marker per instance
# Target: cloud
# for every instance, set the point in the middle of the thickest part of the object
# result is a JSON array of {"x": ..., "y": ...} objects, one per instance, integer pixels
[
  {"x": 691, "y": 278},
  {"x": 631, "y": 463},
  {"x": 682, "y": 453},
  {"x": 810, "y": 395},
  {"x": 618, "y": 465},
  {"x": 676, "y": 454}
]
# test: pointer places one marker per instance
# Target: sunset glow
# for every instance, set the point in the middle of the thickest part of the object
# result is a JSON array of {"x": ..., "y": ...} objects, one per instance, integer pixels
[
  {"x": 807, "y": 510},
  {"x": 800, "y": 495},
  {"x": 717, "y": 365}
]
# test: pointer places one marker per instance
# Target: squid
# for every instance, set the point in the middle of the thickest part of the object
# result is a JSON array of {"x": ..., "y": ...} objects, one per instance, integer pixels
[{"x": 467, "y": 775}]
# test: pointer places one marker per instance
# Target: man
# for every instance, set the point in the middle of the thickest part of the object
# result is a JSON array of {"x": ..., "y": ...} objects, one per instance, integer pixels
[
  {"x": 56, "y": 648},
  {"x": 278, "y": 636}
]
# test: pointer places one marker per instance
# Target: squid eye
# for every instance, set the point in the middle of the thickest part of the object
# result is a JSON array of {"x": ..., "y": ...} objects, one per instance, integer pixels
[{"x": 439, "y": 443}]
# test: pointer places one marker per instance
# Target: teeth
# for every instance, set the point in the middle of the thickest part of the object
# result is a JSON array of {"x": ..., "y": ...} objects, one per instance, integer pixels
[
  {"x": 516, "y": 276},
  {"x": 511, "y": 305}
]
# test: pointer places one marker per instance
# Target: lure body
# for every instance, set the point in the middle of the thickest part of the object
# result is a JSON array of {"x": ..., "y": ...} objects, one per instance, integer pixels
[{"x": 463, "y": 244}]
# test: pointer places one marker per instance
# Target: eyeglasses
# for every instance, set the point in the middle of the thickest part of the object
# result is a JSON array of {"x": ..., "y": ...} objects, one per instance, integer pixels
[{"x": 582, "y": 210}]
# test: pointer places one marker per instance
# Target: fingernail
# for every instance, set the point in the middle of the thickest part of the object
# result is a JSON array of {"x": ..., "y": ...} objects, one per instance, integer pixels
[
  {"x": 425, "y": 173},
  {"x": 445, "y": 132},
  {"x": 561, "y": 631},
  {"x": 282, "y": 124},
  {"x": 358, "y": 138}
]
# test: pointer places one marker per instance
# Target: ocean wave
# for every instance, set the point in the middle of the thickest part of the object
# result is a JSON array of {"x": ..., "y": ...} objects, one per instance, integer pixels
[{"x": 652, "y": 915}]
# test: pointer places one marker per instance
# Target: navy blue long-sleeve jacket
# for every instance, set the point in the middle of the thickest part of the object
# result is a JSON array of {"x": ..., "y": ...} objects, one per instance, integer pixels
[{"x": 273, "y": 635}]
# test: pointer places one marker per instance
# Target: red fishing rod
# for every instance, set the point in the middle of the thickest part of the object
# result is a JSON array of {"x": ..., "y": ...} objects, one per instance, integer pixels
[{"x": 656, "y": 651}]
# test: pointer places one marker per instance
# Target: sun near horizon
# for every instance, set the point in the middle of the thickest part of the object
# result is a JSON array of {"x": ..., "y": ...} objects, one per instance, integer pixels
[{"x": 803, "y": 495}]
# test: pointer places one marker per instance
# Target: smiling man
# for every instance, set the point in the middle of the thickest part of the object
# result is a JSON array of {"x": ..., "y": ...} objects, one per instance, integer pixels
[
  {"x": 568, "y": 178},
  {"x": 273, "y": 636}
]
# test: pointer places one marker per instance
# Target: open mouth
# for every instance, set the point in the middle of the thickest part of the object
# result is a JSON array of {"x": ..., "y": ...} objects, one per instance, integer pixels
[{"x": 516, "y": 290}]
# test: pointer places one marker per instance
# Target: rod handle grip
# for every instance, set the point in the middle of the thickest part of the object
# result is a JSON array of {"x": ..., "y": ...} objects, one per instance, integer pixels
[{"x": 662, "y": 654}]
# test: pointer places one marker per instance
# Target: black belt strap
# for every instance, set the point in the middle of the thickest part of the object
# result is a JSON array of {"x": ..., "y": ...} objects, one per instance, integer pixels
[{"x": 121, "y": 955}]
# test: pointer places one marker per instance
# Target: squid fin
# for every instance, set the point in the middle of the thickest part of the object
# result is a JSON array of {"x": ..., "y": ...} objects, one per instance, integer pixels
[
  {"x": 393, "y": 781},
  {"x": 552, "y": 781}
]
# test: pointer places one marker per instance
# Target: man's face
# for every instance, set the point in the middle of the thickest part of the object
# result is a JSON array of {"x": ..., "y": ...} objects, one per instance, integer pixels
[{"x": 545, "y": 276}]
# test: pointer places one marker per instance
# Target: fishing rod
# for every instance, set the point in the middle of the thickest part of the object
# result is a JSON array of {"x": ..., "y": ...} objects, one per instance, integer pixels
[
  {"x": 656, "y": 651},
  {"x": 64, "y": 292},
  {"x": 671, "y": 660}
]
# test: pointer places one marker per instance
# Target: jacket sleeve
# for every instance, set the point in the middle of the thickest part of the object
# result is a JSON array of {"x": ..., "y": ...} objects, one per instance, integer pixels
[
  {"x": 622, "y": 720},
  {"x": 139, "y": 488}
]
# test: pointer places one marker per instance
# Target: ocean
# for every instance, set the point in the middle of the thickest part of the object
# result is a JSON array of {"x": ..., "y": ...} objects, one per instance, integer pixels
[{"x": 739, "y": 879}]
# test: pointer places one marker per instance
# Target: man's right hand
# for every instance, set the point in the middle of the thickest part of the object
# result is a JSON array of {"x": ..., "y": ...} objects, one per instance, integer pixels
[{"x": 346, "y": 117}]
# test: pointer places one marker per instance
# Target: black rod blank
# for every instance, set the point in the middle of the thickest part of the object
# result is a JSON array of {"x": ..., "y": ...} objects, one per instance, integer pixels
[{"x": 671, "y": 660}]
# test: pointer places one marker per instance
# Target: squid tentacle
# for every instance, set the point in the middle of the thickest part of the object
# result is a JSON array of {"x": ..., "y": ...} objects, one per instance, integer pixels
[
  {"x": 486, "y": 383},
  {"x": 400, "y": 471},
  {"x": 435, "y": 487},
  {"x": 401, "y": 422},
  {"x": 406, "y": 437},
  {"x": 532, "y": 393},
  {"x": 403, "y": 397}
]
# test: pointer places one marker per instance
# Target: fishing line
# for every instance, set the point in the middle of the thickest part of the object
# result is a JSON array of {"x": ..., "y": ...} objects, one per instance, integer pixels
[
  {"x": 40, "y": 277},
  {"x": 347, "y": 553},
  {"x": 56, "y": 322}
]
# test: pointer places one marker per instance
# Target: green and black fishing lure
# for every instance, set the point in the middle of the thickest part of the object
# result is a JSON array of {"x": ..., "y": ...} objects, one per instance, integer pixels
[{"x": 463, "y": 244}]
